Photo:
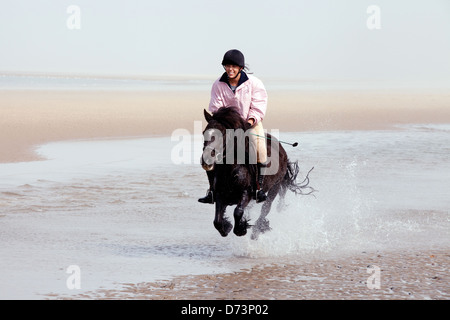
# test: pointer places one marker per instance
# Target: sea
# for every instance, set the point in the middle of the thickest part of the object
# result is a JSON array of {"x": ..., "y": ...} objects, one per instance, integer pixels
[{"x": 125, "y": 210}]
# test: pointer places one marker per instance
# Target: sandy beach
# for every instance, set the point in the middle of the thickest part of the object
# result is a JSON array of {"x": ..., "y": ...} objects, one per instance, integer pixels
[
  {"x": 405, "y": 275},
  {"x": 32, "y": 118}
]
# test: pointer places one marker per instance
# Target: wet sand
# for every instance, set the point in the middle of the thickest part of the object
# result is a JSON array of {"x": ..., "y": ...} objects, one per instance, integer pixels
[
  {"x": 403, "y": 275},
  {"x": 31, "y": 118}
]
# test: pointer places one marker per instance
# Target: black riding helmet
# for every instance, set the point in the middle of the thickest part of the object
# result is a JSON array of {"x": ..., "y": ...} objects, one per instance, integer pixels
[{"x": 235, "y": 57}]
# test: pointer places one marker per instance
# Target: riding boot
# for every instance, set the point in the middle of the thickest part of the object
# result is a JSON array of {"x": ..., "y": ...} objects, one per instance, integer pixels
[
  {"x": 209, "y": 198},
  {"x": 260, "y": 194}
]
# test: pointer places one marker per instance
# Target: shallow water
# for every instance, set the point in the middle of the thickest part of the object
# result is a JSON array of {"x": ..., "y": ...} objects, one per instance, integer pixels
[{"x": 124, "y": 212}]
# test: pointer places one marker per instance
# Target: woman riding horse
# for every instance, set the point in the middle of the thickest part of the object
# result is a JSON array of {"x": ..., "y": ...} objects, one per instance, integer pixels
[
  {"x": 232, "y": 174},
  {"x": 237, "y": 89}
]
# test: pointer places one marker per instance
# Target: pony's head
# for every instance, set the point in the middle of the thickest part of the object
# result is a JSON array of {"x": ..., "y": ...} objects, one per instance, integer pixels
[{"x": 215, "y": 134}]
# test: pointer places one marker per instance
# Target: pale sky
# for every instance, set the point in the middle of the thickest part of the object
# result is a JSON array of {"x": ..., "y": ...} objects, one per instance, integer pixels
[{"x": 304, "y": 39}]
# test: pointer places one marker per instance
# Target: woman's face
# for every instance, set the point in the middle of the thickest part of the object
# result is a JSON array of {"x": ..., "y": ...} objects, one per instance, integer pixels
[{"x": 232, "y": 70}]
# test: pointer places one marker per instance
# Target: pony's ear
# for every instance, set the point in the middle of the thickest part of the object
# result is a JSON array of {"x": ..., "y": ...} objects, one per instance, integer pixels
[{"x": 208, "y": 116}]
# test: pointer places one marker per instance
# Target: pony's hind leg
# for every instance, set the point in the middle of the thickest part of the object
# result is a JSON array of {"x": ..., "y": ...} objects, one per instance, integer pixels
[
  {"x": 281, "y": 198},
  {"x": 262, "y": 224}
]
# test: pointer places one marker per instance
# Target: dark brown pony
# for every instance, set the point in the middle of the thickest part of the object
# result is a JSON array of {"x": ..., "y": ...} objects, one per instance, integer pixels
[{"x": 234, "y": 182}]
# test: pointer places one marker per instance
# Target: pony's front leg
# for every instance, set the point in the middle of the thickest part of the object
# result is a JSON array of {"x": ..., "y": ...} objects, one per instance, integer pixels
[
  {"x": 220, "y": 221},
  {"x": 241, "y": 224}
]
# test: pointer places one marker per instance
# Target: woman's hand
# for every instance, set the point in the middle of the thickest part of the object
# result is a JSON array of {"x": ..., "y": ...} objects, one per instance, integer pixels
[{"x": 249, "y": 124}]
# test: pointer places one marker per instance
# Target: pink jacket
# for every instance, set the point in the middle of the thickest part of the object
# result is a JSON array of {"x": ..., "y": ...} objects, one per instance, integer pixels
[{"x": 250, "y": 96}]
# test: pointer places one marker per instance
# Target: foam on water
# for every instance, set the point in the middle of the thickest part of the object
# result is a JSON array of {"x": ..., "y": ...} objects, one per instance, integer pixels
[{"x": 124, "y": 212}]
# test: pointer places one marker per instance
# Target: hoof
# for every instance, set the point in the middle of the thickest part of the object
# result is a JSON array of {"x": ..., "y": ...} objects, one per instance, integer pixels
[
  {"x": 255, "y": 235},
  {"x": 224, "y": 228},
  {"x": 241, "y": 230},
  {"x": 261, "y": 226}
]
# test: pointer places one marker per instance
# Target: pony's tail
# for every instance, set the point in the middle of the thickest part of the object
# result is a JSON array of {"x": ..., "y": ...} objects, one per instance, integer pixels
[{"x": 290, "y": 178}]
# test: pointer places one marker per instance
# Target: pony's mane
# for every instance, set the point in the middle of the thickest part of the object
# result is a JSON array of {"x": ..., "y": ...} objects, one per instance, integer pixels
[{"x": 229, "y": 117}]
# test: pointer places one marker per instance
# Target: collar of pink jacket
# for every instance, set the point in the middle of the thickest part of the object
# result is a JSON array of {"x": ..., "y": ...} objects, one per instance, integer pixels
[{"x": 243, "y": 79}]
